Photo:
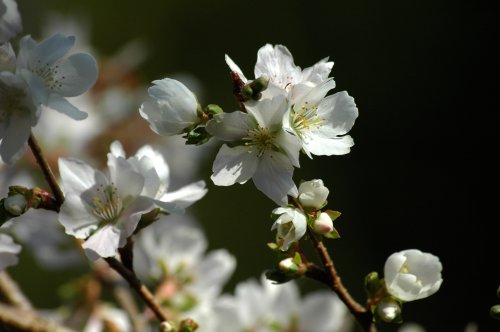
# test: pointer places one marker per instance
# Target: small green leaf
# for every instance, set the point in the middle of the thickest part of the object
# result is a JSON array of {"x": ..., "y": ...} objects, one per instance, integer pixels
[
  {"x": 333, "y": 214},
  {"x": 334, "y": 234}
]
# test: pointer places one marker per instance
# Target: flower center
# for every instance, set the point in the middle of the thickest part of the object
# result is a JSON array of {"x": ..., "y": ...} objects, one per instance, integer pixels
[
  {"x": 261, "y": 139},
  {"x": 48, "y": 74},
  {"x": 306, "y": 119},
  {"x": 107, "y": 203}
]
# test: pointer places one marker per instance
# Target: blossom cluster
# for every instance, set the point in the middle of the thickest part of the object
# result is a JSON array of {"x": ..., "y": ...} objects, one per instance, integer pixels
[{"x": 283, "y": 111}]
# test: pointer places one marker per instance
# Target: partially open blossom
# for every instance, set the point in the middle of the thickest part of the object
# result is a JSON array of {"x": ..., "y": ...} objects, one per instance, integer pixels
[
  {"x": 261, "y": 149},
  {"x": 291, "y": 225},
  {"x": 10, "y": 20},
  {"x": 18, "y": 114},
  {"x": 51, "y": 77},
  {"x": 323, "y": 223},
  {"x": 171, "y": 107},
  {"x": 313, "y": 194},
  {"x": 104, "y": 211},
  {"x": 411, "y": 274},
  {"x": 8, "y": 251}
]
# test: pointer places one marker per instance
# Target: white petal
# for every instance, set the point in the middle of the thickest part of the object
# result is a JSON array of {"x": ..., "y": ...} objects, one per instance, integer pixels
[
  {"x": 160, "y": 164},
  {"x": 233, "y": 165},
  {"x": 131, "y": 215},
  {"x": 230, "y": 126},
  {"x": 213, "y": 272},
  {"x": 10, "y": 20},
  {"x": 329, "y": 146},
  {"x": 277, "y": 64},
  {"x": 104, "y": 242},
  {"x": 339, "y": 111},
  {"x": 60, "y": 104},
  {"x": 76, "y": 74},
  {"x": 316, "y": 94},
  {"x": 392, "y": 266},
  {"x": 291, "y": 145},
  {"x": 269, "y": 112},
  {"x": 234, "y": 67},
  {"x": 50, "y": 50},
  {"x": 77, "y": 176},
  {"x": 274, "y": 177},
  {"x": 186, "y": 196},
  {"x": 116, "y": 149},
  {"x": 76, "y": 217},
  {"x": 317, "y": 73},
  {"x": 322, "y": 312},
  {"x": 128, "y": 182},
  {"x": 8, "y": 251},
  {"x": 15, "y": 138}
]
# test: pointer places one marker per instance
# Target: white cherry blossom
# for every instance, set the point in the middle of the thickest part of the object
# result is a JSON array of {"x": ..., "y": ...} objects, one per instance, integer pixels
[
  {"x": 102, "y": 210},
  {"x": 10, "y": 20},
  {"x": 313, "y": 194},
  {"x": 51, "y": 77},
  {"x": 260, "y": 150},
  {"x": 412, "y": 275}
]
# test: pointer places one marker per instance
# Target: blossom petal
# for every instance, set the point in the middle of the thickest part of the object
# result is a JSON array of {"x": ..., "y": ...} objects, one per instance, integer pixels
[
  {"x": 277, "y": 64},
  {"x": 318, "y": 72},
  {"x": 60, "y": 104},
  {"x": 8, "y": 251},
  {"x": 339, "y": 111},
  {"x": 233, "y": 165},
  {"x": 15, "y": 138},
  {"x": 131, "y": 215},
  {"x": 76, "y": 217},
  {"x": 269, "y": 112},
  {"x": 186, "y": 196},
  {"x": 213, "y": 272},
  {"x": 103, "y": 243},
  {"x": 234, "y": 67},
  {"x": 78, "y": 176},
  {"x": 51, "y": 49},
  {"x": 329, "y": 146},
  {"x": 230, "y": 126},
  {"x": 76, "y": 75},
  {"x": 274, "y": 177},
  {"x": 322, "y": 312}
]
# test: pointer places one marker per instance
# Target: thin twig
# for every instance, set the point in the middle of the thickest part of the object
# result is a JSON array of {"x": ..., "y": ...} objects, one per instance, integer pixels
[
  {"x": 11, "y": 292},
  {"x": 16, "y": 319},
  {"x": 137, "y": 285},
  {"x": 45, "y": 167}
]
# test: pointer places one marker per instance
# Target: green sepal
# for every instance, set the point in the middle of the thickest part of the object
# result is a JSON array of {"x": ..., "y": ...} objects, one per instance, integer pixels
[
  {"x": 333, "y": 214},
  {"x": 213, "y": 109},
  {"x": 334, "y": 234},
  {"x": 273, "y": 246},
  {"x": 197, "y": 136},
  {"x": 297, "y": 259},
  {"x": 373, "y": 284}
]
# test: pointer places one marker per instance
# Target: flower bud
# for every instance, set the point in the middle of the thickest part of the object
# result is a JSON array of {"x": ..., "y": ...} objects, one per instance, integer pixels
[
  {"x": 15, "y": 204},
  {"x": 323, "y": 223},
  {"x": 313, "y": 194},
  {"x": 495, "y": 311},
  {"x": 372, "y": 284},
  {"x": 389, "y": 310},
  {"x": 259, "y": 84},
  {"x": 188, "y": 325},
  {"x": 291, "y": 225},
  {"x": 411, "y": 274},
  {"x": 166, "y": 327}
]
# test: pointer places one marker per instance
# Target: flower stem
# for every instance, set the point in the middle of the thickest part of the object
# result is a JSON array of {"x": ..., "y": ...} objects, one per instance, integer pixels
[
  {"x": 137, "y": 285},
  {"x": 362, "y": 315},
  {"x": 47, "y": 171}
]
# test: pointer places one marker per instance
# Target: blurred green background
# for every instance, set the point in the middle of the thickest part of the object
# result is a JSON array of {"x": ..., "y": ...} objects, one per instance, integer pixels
[{"x": 423, "y": 76}]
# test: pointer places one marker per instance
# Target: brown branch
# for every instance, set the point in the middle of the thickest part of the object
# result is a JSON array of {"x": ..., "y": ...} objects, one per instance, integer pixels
[
  {"x": 45, "y": 167},
  {"x": 20, "y": 320},
  {"x": 362, "y": 315},
  {"x": 12, "y": 294},
  {"x": 137, "y": 285}
]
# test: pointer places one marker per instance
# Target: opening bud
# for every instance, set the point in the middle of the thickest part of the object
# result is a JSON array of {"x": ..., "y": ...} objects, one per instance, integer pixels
[
  {"x": 323, "y": 223},
  {"x": 15, "y": 204},
  {"x": 389, "y": 310},
  {"x": 313, "y": 194}
]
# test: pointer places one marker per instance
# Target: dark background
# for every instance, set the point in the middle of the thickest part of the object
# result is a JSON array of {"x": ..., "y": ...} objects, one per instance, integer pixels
[{"x": 421, "y": 175}]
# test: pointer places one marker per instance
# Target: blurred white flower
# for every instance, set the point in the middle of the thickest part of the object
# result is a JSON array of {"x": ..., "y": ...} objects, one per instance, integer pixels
[
  {"x": 151, "y": 164},
  {"x": 171, "y": 107},
  {"x": 52, "y": 78},
  {"x": 105, "y": 318},
  {"x": 411, "y": 274},
  {"x": 267, "y": 307},
  {"x": 313, "y": 194},
  {"x": 10, "y": 20},
  {"x": 172, "y": 253},
  {"x": 291, "y": 225},
  {"x": 103, "y": 211},
  {"x": 18, "y": 114},
  {"x": 266, "y": 153},
  {"x": 8, "y": 251},
  {"x": 43, "y": 235}
]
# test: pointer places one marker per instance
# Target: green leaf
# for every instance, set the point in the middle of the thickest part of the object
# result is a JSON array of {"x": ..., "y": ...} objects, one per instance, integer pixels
[
  {"x": 333, "y": 214},
  {"x": 334, "y": 234}
]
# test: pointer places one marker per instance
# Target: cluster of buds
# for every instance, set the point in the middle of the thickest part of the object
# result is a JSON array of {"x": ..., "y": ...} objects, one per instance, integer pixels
[{"x": 19, "y": 199}]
